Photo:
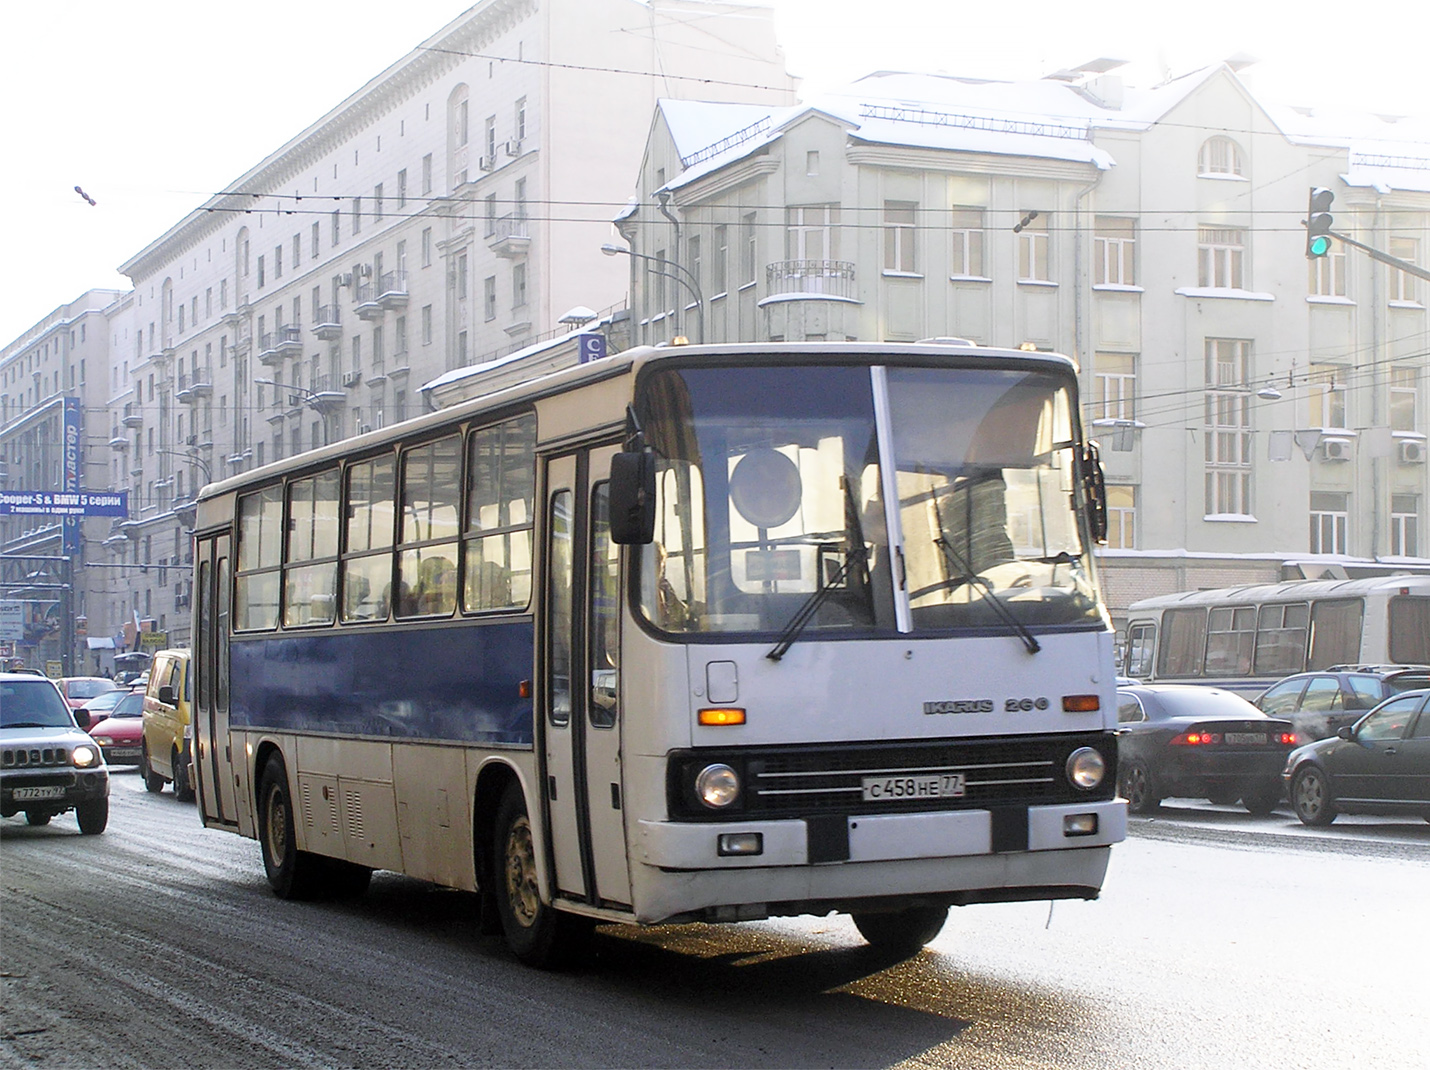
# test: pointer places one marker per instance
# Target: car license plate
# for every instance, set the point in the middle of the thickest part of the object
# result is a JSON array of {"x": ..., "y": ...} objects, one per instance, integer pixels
[
  {"x": 53, "y": 791},
  {"x": 1253, "y": 738},
  {"x": 124, "y": 752},
  {"x": 893, "y": 788}
]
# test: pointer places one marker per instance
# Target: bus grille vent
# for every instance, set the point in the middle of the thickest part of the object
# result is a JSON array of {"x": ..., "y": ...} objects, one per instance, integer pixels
[{"x": 352, "y": 807}]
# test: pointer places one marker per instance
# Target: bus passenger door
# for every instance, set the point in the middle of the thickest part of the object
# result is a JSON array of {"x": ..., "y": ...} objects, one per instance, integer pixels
[
  {"x": 581, "y": 711},
  {"x": 212, "y": 750}
]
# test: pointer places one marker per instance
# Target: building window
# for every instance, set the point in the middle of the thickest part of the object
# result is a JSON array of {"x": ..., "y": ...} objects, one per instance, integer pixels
[
  {"x": 357, "y": 215},
  {"x": 260, "y": 273},
  {"x": 277, "y": 262},
  {"x": 464, "y": 127},
  {"x": 1328, "y": 273},
  {"x": 1220, "y": 156},
  {"x": 692, "y": 254},
  {"x": 426, "y": 325},
  {"x": 1033, "y": 263},
  {"x": 720, "y": 264},
  {"x": 1114, "y": 386},
  {"x": 1330, "y": 516},
  {"x": 489, "y": 298},
  {"x": 1114, "y": 244},
  {"x": 1404, "y": 287},
  {"x": 967, "y": 230},
  {"x": 899, "y": 220},
  {"x": 1121, "y": 517},
  {"x": 377, "y": 201},
  {"x": 426, "y": 246},
  {"x": 427, "y": 174},
  {"x": 402, "y": 188},
  {"x": 1405, "y": 525},
  {"x": 313, "y": 242},
  {"x": 1327, "y": 395},
  {"x": 1220, "y": 255},
  {"x": 1228, "y": 427},
  {"x": 750, "y": 235},
  {"x": 520, "y": 124},
  {"x": 810, "y": 233},
  {"x": 811, "y": 163},
  {"x": 518, "y": 285},
  {"x": 490, "y": 137},
  {"x": 337, "y": 230},
  {"x": 1404, "y": 397}
]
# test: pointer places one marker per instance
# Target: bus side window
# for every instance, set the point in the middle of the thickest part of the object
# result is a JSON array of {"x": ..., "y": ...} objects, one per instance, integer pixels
[{"x": 1141, "y": 639}]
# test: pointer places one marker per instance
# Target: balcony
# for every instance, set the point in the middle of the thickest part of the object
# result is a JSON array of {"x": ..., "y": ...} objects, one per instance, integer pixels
[
  {"x": 392, "y": 289},
  {"x": 193, "y": 387},
  {"x": 368, "y": 306},
  {"x": 377, "y": 374},
  {"x": 399, "y": 366},
  {"x": 278, "y": 345},
  {"x": 818, "y": 279},
  {"x": 328, "y": 322},
  {"x": 325, "y": 395},
  {"x": 118, "y": 442},
  {"x": 132, "y": 417},
  {"x": 508, "y": 236}
]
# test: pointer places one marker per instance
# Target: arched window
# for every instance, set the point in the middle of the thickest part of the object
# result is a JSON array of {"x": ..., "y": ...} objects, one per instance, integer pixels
[{"x": 1220, "y": 156}]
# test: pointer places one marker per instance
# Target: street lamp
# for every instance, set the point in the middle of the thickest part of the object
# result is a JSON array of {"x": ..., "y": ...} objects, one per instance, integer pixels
[
  {"x": 194, "y": 459},
  {"x": 686, "y": 278},
  {"x": 309, "y": 398}
]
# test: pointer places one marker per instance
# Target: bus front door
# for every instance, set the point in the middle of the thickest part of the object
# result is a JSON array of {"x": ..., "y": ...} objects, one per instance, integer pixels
[
  {"x": 212, "y": 754},
  {"x": 581, "y": 701}
]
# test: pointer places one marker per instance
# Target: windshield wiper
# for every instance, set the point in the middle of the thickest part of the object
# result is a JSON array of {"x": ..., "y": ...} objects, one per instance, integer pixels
[
  {"x": 857, "y": 557},
  {"x": 30, "y": 724},
  {"x": 965, "y": 573}
]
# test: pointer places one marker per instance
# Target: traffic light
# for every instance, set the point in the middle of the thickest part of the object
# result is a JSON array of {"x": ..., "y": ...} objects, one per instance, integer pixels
[{"x": 1318, "y": 222}]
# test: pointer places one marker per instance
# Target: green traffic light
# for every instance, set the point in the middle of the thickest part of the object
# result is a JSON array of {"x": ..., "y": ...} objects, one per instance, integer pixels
[{"x": 1320, "y": 245}]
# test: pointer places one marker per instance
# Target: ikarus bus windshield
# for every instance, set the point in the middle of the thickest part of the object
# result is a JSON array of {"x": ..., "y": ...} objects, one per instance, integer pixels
[{"x": 830, "y": 500}]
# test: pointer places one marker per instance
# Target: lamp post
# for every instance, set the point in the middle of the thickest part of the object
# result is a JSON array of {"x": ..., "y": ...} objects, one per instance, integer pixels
[
  {"x": 194, "y": 459},
  {"x": 686, "y": 278},
  {"x": 312, "y": 400}
]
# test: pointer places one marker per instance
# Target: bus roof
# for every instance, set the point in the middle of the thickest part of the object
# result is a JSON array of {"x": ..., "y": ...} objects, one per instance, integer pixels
[
  {"x": 1288, "y": 591},
  {"x": 545, "y": 382}
]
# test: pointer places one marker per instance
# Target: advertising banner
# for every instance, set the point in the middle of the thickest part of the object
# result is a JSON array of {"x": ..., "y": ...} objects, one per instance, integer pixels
[{"x": 80, "y": 503}]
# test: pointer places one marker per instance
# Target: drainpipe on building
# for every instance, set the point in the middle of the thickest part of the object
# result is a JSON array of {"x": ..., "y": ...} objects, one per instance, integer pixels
[
  {"x": 1375, "y": 274},
  {"x": 1079, "y": 290}
]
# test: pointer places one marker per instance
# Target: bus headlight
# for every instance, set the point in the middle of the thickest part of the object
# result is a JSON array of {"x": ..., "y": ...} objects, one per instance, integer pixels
[
  {"x": 717, "y": 786},
  {"x": 84, "y": 757},
  {"x": 1086, "y": 768}
]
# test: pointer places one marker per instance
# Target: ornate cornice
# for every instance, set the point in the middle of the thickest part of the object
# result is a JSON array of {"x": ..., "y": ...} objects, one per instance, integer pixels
[{"x": 419, "y": 69}]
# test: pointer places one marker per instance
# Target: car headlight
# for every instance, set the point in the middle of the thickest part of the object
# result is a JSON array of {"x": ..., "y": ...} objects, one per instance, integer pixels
[
  {"x": 1086, "y": 768},
  {"x": 104, "y": 741},
  {"x": 717, "y": 786},
  {"x": 84, "y": 757}
]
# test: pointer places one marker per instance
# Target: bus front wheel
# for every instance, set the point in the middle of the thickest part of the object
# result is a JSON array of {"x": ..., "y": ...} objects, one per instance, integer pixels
[
  {"x": 537, "y": 934},
  {"x": 292, "y": 874},
  {"x": 901, "y": 931}
]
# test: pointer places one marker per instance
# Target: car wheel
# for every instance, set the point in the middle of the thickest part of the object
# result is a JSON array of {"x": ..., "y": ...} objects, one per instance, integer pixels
[
  {"x": 93, "y": 816},
  {"x": 292, "y": 874},
  {"x": 537, "y": 934},
  {"x": 1137, "y": 788},
  {"x": 153, "y": 782},
  {"x": 38, "y": 817},
  {"x": 1311, "y": 797},
  {"x": 1223, "y": 796},
  {"x": 183, "y": 786},
  {"x": 1263, "y": 798},
  {"x": 901, "y": 931}
]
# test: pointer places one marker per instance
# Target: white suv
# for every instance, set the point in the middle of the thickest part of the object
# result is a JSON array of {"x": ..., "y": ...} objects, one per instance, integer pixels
[{"x": 47, "y": 763}]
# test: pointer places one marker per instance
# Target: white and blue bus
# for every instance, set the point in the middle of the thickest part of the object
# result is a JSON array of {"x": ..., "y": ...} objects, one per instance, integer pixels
[
  {"x": 703, "y": 633},
  {"x": 1246, "y": 638}
]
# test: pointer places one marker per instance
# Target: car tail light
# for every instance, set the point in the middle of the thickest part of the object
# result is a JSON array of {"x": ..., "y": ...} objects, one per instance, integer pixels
[
  {"x": 1196, "y": 739},
  {"x": 1287, "y": 738}
]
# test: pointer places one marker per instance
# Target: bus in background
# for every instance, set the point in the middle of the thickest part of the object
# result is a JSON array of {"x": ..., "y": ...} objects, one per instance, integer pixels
[
  {"x": 691, "y": 633},
  {"x": 1246, "y": 638}
]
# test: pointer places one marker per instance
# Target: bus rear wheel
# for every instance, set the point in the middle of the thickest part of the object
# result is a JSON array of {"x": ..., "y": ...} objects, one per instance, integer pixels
[
  {"x": 901, "y": 931},
  {"x": 537, "y": 934}
]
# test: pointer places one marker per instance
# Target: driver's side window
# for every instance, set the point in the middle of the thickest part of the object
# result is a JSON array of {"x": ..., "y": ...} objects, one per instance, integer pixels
[{"x": 1390, "y": 720}]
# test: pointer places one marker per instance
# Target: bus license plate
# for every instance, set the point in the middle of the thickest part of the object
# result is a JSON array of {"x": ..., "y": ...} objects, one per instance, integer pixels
[
  {"x": 893, "y": 788},
  {"x": 1254, "y": 738},
  {"x": 52, "y": 791}
]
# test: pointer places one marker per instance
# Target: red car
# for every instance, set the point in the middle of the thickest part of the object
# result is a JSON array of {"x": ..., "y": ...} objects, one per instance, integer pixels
[
  {"x": 78, "y": 690},
  {"x": 120, "y": 735}
]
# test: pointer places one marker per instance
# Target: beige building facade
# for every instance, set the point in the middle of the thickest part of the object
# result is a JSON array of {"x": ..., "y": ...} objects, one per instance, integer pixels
[{"x": 1260, "y": 415}]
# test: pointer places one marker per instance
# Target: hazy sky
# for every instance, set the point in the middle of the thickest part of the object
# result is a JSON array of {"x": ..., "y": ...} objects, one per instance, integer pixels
[{"x": 153, "y": 105}]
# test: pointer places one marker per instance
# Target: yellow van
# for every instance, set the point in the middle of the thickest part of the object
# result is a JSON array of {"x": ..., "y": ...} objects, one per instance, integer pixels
[{"x": 164, "y": 758}]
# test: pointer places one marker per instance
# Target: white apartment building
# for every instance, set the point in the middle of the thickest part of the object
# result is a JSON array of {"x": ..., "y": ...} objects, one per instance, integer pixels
[
  {"x": 448, "y": 212},
  {"x": 63, "y": 356},
  {"x": 1260, "y": 415}
]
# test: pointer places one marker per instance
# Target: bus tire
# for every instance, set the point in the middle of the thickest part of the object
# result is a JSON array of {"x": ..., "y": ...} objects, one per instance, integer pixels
[
  {"x": 901, "y": 931},
  {"x": 183, "y": 782},
  {"x": 92, "y": 816},
  {"x": 153, "y": 782},
  {"x": 292, "y": 874},
  {"x": 538, "y": 934}
]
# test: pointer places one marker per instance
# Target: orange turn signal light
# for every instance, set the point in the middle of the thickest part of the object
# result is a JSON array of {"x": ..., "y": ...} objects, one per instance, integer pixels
[
  {"x": 722, "y": 715},
  {"x": 523, "y": 689},
  {"x": 1081, "y": 704}
]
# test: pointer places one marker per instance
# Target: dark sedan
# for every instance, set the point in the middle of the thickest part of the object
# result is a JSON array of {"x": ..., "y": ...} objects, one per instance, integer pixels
[
  {"x": 1379, "y": 765},
  {"x": 1198, "y": 742}
]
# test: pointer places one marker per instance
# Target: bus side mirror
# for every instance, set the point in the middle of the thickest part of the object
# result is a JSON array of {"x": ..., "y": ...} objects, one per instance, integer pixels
[
  {"x": 1094, "y": 491},
  {"x": 633, "y": 498}
]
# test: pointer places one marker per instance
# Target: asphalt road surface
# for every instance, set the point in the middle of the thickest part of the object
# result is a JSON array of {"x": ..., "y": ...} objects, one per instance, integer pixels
[{"x": 1221, "y": 940}]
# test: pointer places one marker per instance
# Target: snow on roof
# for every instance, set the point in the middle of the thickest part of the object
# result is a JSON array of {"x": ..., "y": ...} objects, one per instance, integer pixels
[{"x": 1384, "y": 152}]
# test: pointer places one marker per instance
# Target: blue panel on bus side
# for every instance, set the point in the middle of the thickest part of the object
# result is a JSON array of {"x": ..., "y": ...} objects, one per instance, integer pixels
[{"x": 460, "y": 683}]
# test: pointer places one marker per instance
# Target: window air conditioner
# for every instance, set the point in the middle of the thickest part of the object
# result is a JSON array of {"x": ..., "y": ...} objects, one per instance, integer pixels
[
  {"x": 364, "y": 270},
  {"x": 345, "y": 279},
  {"x": 486, "y": 163},
  {"x": 1336, "y": 449},
  {"x": 1412, "y": 452},
  {"x": 364, "y": 428},
  {"x": 513, "y": 148},
  {"x": 352, "y": 379}
]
